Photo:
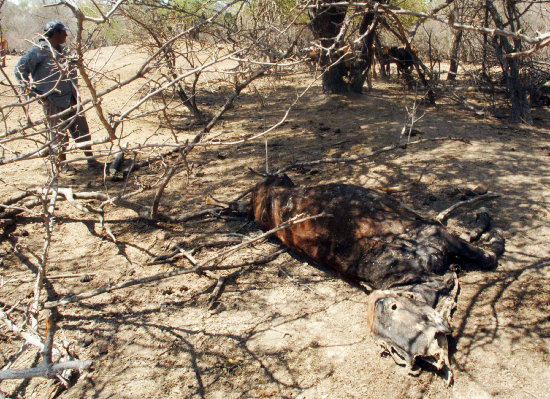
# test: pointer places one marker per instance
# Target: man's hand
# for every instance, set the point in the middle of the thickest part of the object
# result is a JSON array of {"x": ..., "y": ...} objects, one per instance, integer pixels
[
  {"x": 23, "y": 90},
  {"x": 26, "y": 92}
]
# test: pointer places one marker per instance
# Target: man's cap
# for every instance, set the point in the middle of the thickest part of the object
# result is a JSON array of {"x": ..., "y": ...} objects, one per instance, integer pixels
[{"x": 53, "y": 27}]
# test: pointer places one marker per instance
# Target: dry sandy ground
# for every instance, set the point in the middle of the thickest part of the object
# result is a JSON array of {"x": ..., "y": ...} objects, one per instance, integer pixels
[{"x": 287, "y": 329}]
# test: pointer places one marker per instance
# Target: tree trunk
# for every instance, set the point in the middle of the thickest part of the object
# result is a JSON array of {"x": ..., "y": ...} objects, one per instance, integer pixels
[
  {"x": 342, "y": 71},
  {"x": 381, "y": 58},
  {"x": 361, "y": 66},
  {"x": 517, "y": 92},
  {"x": 485, "y": 44},
  {"x": 454, "y": 55},
  {"x": 325, "y": 24}
]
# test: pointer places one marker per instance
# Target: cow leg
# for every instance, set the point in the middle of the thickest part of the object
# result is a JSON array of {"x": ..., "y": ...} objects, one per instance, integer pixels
[
  {"x": 463, "y": 251},
  {"x": 434, "y": 290},
  {"x": 483, "y": 224}
]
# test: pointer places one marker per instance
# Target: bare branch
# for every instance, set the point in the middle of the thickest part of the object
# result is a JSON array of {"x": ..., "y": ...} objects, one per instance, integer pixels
[
  {"x": 49, "y": 371},
  {"x": 443, "y": 215},
  {"x": 538, "y": 42},
  {"x": 356, "y": 158},
  {"x": 54, "y": 277},
  {"x": 204, "y": 265}
]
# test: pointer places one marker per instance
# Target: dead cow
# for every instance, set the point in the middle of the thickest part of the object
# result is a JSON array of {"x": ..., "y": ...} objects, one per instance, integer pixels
[{"x": 368, "y": 235}]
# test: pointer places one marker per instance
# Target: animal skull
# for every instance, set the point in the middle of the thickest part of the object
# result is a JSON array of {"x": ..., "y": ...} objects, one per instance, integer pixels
[{"x": 407, "y": 327}]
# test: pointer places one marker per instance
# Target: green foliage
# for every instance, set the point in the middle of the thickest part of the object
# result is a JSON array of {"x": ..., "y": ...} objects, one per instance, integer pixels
[
  {"x": 280, "y": 9},
  {"x": 112, "y": 32},
  {"x": 192, "y": 6},
  {"x": 191, "y": 9},
  {"x": 287, "y": 7},
  {"x": 283, "y": 6},
  {"x": 164, "y": 16},
  {"x": 411, "y": 5}
]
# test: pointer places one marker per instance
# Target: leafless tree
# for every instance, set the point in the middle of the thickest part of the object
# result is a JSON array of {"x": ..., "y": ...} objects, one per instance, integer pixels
[
  {"x": 216, "y": 48},
  {"x": 186, "y": 49}
]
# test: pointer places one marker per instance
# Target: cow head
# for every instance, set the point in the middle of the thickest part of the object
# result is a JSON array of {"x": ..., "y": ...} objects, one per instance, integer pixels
[
  {"x": 407, "y": 327},
  {"x": 259, "y": 201},
  {"x": 278, "y": 180}
]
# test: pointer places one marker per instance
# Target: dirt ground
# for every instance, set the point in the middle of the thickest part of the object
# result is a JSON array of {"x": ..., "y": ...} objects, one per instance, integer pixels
[{"x": 287, "y": 329}]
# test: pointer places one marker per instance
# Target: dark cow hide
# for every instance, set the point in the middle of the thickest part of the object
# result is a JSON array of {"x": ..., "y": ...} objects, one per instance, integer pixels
[
  {"x": 403, "y": 57},
  {"x": 368, "y": 235}
]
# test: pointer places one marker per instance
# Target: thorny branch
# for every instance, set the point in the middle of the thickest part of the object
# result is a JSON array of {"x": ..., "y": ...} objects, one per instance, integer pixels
[
  {"x": 443, "y": 215},
  {"x": 255, "y": 55},
  {"x": 537, "y": 42},
  {"x": 52, "y": 192},
  {"x": 356, "y": 158},
  {"x": 211, "y": 263}
]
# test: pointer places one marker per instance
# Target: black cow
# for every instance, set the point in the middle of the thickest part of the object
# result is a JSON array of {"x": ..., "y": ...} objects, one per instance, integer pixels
[{"x": 403, "y": 57}]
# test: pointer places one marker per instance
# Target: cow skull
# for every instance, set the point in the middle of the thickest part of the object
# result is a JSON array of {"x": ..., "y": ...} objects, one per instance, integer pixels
[{"x": 407, "y": 327}]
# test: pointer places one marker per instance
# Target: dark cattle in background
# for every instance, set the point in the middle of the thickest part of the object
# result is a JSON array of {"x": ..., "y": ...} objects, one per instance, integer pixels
[
  {"x": 343, "y": 57},
  {"x": 403, "y": 57},
  {"x": 368, "y": 235},
  {"x": 312, "y": 56},
  {"x": 540, "y": 95}
]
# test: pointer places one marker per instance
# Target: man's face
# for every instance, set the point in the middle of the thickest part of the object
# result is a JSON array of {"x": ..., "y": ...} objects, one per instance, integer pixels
[{"x": 59, "y": 37}]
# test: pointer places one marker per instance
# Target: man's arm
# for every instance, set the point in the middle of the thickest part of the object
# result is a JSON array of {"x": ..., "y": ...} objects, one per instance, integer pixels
[{"x": 25, "y": 68}]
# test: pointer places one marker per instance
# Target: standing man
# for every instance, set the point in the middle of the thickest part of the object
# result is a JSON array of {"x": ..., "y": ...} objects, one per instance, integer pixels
[
  {"x": 4, "y": 50},
  {"x": 54, "y": 77}
]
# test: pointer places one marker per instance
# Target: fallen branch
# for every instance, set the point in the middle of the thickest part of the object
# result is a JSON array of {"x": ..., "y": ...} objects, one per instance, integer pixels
[
  {"x": 177, "y": 253},
  {"x": 200, "y": 266},
  {"x": 12, "y": 211},
  {"x": 69, "y": 195},
  {"x": 57, "y": 277},
  {"x": 142, "y": 210},
  {"x": 48, "y": 371},
  {"x": 218, "y": 289},
  {"x": 443, "y": 215},
  {"x": 47, "y": 368},
  {"x": 30, "y": 338},
  {"x": 194, "y": 262},
  {"x": 355, "y": 158},
  {"x": 459, "y": 99},
  {"x": 16, "y": 198},
  {"x": 188, "y": 216},
  {"x": 222, "y": 280}
]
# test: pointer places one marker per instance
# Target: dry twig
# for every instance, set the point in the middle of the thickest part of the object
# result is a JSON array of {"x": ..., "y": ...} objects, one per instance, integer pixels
[
  {"x": 443, "y": 215},
  {"x": 356, "y": 158},
  {"x": 215, "y": 260}
]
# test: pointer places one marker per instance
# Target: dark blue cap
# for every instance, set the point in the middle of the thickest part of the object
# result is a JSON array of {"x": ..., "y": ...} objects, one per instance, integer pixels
[{"x": 53, "y": 27}]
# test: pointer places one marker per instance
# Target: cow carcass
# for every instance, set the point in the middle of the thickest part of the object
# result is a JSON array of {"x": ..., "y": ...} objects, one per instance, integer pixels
[{"x": 404, "y": 257}]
